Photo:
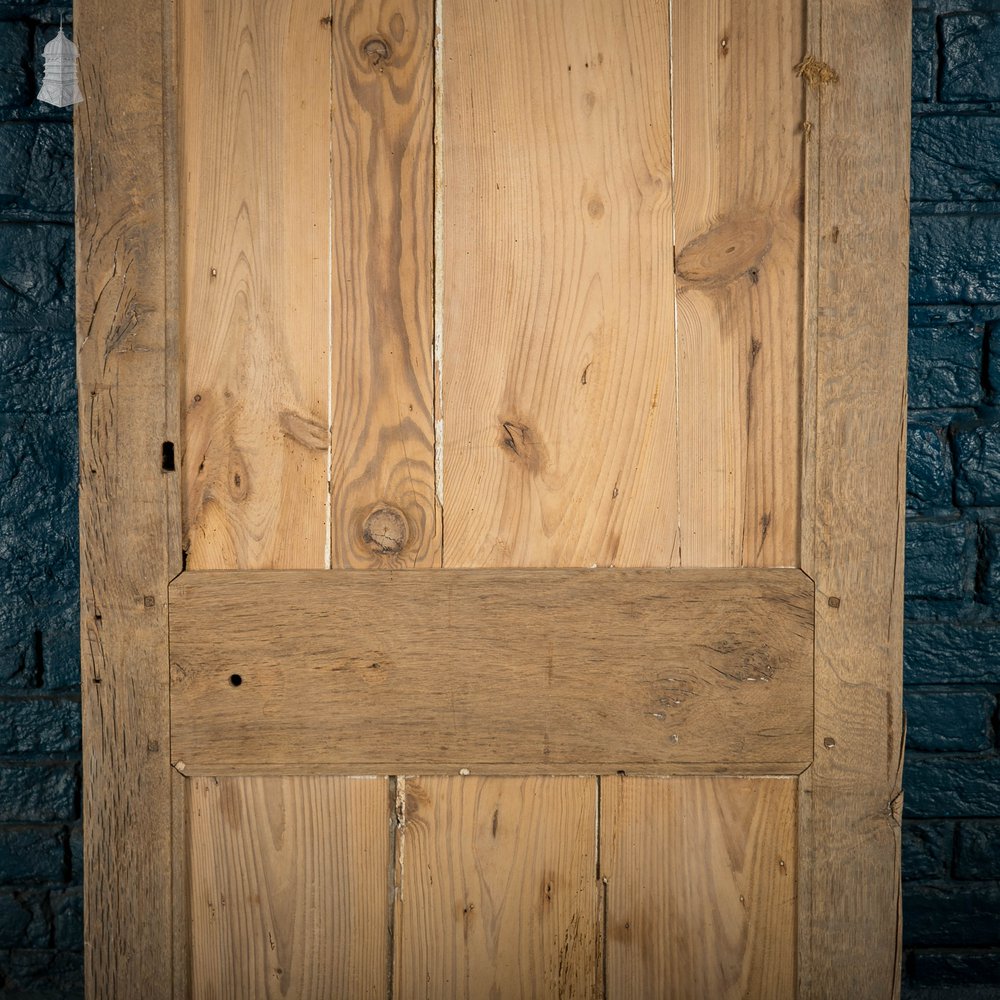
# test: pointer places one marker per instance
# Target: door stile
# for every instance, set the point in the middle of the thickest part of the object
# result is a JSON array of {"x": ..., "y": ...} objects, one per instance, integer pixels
[{"x": 855, "y": 480}]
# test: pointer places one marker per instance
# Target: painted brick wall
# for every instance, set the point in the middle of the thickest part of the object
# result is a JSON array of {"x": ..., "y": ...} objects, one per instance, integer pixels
[
  {"x": 951, "y": 834},
  {"x": 40, "y": 871},
  {"x": 951, "y": 826}
]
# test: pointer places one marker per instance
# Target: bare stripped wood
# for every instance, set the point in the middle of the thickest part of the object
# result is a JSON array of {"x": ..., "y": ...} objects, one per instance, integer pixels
[
  {"x": 384, "y": 511},
  {"x": 255, "y": 236},
  {"x": 558, "y": 356},
  {"x": 737, "y": 127},
  {"x": 700, "y": 887},
  {"x": 497, "y": 889},
  {"x": 851, "y": 844},
  {"x": 289, "y": 884},
  {"x": 125, "y": 498},
  {"x": 528, "y": 668}
]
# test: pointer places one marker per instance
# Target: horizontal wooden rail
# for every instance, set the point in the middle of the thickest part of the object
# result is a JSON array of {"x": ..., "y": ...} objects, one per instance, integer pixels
[{"x": 517, "y": 671}]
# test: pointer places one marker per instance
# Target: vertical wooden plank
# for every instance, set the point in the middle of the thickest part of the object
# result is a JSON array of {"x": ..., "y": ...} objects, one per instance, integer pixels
[
  {"x": 497, "y": 888},
  {"x": 737, "y": 125},
  {"x": 558, "y": 362},
  {"x": 289, "y": 887},
  {"x": 255, "y": 195},
  {"x": 384, "y": 511},
  {"x": 125, "y": 498},
  {"x": 700, "y": 887},
  {"x": 851, "y": 845}
]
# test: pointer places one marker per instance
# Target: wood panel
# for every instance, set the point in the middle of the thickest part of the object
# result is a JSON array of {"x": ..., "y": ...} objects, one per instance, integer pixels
[
  {"x": 497, "y": 888},
  {"x": 127, "y": 551},
  {"x": 737, "y": 129},
  {"x": 701, "y": 894},
  {"x": 856, "y": 488},
  {"x": 541, "y": 670},
  {"x": 290, "y": 893},
  {"x": 558, "y": 357},
  {"x": 255, "y": 237},
  {"x": 384, "y": 510}
]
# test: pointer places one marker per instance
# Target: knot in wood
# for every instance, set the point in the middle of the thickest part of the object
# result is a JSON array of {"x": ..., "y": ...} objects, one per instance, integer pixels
[
  {"x": 386, "y": 531},
  {"x": 377, "y": 51}
]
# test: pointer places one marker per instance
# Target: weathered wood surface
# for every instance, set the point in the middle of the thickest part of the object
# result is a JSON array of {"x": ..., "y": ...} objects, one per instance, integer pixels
[
  {"x": 738, "y": 175},
  {"x": 557, "y": 323},
  {"x": 124, "y": 350},
  {"x": 497, "y": 889},
  {"x": 289, "y": 888},
  {"x": 700, "y": 877},
  {"x": 855, "y": 511},
  {"x": 255, "y": 241},
  {"x": 537, "y": 670},
  {"x": 383, "y": 506}
]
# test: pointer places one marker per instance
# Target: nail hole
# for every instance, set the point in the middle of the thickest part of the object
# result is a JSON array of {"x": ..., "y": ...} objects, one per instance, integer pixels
[{"x": 236, "y": 680}]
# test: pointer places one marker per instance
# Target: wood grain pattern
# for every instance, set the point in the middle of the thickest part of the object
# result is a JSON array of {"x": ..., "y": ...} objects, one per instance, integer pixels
[
  {"x": 383, "y": 225},
  {"x": 124, "y": 349},
  {"x": 255, "y": 236},
  {"x": 851, "y": 842},
  {"x": 558, "y": 357},
  {"x": 289, "y": 887},
  {"x": 533, "y": 669},
  {"x": 737, "y": 128},
  {"x": 700, "y": 887},
  {"x": 497, "y": 888}
]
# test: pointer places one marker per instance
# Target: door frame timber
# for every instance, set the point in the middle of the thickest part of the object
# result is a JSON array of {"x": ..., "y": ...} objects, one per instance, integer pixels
[{"x": 854, "y": 395}]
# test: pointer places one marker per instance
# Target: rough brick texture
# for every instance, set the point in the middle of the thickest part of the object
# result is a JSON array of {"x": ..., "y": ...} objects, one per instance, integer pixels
[
  {"x": 951, "y": 825},
  {"x": 41, "y": 925}
]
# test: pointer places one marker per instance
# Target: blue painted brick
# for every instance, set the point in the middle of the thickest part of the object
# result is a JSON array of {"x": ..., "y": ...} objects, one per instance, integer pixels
[
  {"x": 31, "y": 855},
  {"x": 36, "y": 179},
  {"x": 39, "y": 971},
  {"x": 989, "y": 587},
  {"x": 36, "y": 371},
  {"x": 928, "y": 469},
  {"x": 946, "y": 968},
  {"x": 978, "y": 850},
  {"x": 15, "y": 65},
  {"x": 970, "y": 57},
  {"x": 37, "y": 793},
  {"x": 949, "y": 720},
  {"x": 76, "y": 854},
  {"x": 951, "y": 914},
  {"x": 940, "y": 558},
  {"x": 953, "y": 258},
  {"x": 951, "y": 653},
  {"x": 927, "y": 848},
  {"x": 937, "y": 785},
  {"x": 39, "y": 726},
  {"x": 67, "y": 916},
  {"x": 945, "y": 366},
  {"x": 36, "y": 276},
  {"x": 955, "y": 158},
  {"x": 24, "y": 921},
  {"x": 978, "y": 465},
  {"x": 993, "y": 360},
  {"x": 924, "y": 55}
]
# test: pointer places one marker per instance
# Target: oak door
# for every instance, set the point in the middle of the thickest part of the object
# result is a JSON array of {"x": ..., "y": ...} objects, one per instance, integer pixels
[{"x": 515, "y": 581}]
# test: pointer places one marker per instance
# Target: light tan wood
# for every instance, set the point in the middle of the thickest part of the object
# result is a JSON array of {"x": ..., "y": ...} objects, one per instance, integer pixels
[
  {"x": 533, "y": 669},
  {"x": 124, "y": 348},
  {"x": 255, "y": 238},
  {"x": 497, "y": 888},
  {"x": 851, "y": 841},
  {"x": 738, "y": 109},
  {"x": 289, "y": 887},
  {"x": 700, "y": 887},
  {"x": 384, "y": 511},
  {"x": 558, "y": 356}
]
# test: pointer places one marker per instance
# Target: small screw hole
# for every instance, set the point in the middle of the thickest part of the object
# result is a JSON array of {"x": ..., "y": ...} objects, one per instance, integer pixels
[{"x": 236, "y": 680}]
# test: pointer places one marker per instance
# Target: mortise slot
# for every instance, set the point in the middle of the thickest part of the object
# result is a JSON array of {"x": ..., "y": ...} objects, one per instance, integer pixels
[{"x": 167, "y": 461}]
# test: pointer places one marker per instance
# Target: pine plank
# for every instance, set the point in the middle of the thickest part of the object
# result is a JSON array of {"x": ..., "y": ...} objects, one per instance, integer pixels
[
  {"x": 289, "y": 887},
  {"x": 700, "y": 887},
  {"x": 383, "y": 506},
  {"x": 255, "y": 238},
  {"x": 857, "y": 489},
  {"x": 127, "y": 550},
  {"x": 497, "y": 888},
  {"x": 557, "y": 314},
  {"x": 538, "y": 670},
  {"x": 737, "y": 126}
]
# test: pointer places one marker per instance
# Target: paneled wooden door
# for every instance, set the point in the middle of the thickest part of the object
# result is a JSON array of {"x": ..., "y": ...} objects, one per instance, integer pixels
[{"x": 491, "y": 423}]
